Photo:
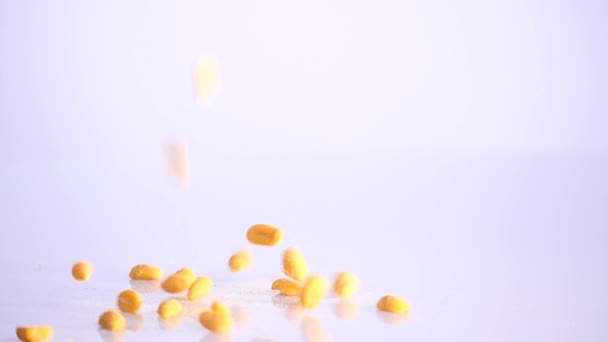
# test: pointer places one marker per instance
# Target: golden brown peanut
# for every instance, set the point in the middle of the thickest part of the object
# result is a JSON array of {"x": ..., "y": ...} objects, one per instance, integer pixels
[
  {"x": 145, "y": 272},
  {"x": 294, "y": 264},
  {"x": 129, "y": 301},
  {"x": 82, "y": 270},
  {"x": 313, "y": 292},
  {"x": 179, "y": 281},
  {"x": 35, "y": 333},
  {"x": 264, "y": 235},
  {"x": 218, "y": 319},
  {"x": 346, "y": 284},
  {"x": 199, "y": 288},
  {"x": 240, "y": 261},
  {"x": 393, "y": 304},
  {"x": 112, "y": 320},
  {"x": 287, "y": 287},
  {"x": 169, "y": 308}
]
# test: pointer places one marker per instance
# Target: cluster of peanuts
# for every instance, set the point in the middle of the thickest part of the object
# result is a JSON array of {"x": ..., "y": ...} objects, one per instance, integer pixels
[{"x": 311, "y": 289}]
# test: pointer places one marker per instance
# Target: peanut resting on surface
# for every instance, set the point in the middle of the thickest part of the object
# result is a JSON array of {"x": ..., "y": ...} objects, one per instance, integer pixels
[
  {"x": 393, "y": 304},
  {"x": 129, "y": 301},
  {"x": 179, "y": 281},
  {"x": 287, "y": 287},
  {"x": 145, "y": 272},
  {"x": 35, "y": 333},
  {"x": 218, "y": 319},
  {"x": 112, "y": 320},
  {"x": 169, "y": 309}
]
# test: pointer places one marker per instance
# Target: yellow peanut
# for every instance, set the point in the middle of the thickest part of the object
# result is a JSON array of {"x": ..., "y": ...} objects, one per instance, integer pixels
[
  {"x": 287, "y": 287},
  {"x": 294, "y": 264},
  {"x": 220, "y": 308},
  {"x": 145, "y": 272},
  {"x": 35, "y": 333},
  {"x": 393, "y": 304},
  {"x": 218, "y": 319},
  {"x": 346, "y": 284},
  {"x": 112, "y": 320},
  {"x": 313, "y": 292},
  {"x": 240, "y": 261},
  {"x": 199, "y": 288},
  {"x": 264, "y": 235},
  {"x": 179, "y": 281},
  {"x": 82, "y": 270},
  {"x": 129, "y": 301},
  {"x": 169, "y": 308}
]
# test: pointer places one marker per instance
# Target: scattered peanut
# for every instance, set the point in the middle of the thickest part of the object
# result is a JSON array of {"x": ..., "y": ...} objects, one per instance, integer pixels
[
  {"x": 145, "y": 272},
  {"x": 179, "y": 281},
  {"x": 393, "y": 304},
  {"x": 169, "y": 308},
  {"x": 199, "y": 288},
  {"x": 112, "y": 320},
  {"x": 35, "y": 333},
  {"x": 129, "y": 301},
  {"x": 218, "y": 319},
  {"x": 287, "y": 287},
  {"x": 264, "y": 235},
  {"x": 82, "y": 270}
]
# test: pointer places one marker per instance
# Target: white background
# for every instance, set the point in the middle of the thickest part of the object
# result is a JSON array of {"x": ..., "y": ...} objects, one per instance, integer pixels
[{"x": 449, "y": 152}]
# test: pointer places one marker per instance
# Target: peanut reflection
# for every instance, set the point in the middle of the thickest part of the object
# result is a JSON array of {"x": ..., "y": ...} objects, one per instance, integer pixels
[
  {"x": 346, "y": 309},
  {"x": 313, "y": 331}
]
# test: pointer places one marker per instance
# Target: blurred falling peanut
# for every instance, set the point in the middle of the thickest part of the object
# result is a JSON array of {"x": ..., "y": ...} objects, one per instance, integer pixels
[
  {"x": 206, "y": 80},
  {"x": 240, "y": 261},
  {"x": 178, "y": 164}
]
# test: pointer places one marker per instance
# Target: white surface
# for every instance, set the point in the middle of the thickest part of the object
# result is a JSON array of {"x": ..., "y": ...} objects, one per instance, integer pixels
[{"x": 484, "y": 248}]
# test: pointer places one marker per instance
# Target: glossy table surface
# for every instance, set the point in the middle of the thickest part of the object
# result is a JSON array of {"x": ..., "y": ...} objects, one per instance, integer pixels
[{"x": 496, "y": 248}]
